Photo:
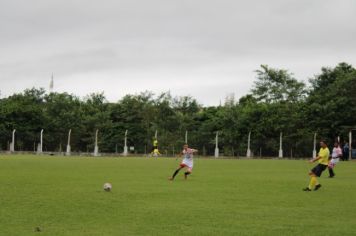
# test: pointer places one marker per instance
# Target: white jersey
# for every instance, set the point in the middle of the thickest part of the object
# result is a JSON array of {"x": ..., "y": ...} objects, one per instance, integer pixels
[
  {"x": 337, "y": 152},
  {"x": 335, "y": 157},
  {"x": 188, "y": 157}
]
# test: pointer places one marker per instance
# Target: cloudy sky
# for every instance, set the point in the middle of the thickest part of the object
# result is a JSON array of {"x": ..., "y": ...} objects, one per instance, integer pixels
[{"x": 204, "y": 48}]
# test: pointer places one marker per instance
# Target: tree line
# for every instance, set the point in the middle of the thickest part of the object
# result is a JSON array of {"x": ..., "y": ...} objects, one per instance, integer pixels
[{"x": 278, "y": 102}]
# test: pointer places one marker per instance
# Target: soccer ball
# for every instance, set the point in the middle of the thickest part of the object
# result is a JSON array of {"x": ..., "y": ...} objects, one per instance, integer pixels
[{"x": 107, "y": 187}]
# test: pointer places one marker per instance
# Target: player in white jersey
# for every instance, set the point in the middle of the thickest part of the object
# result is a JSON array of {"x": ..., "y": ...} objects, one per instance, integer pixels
[
  {"x": 187, "y": 154},
  {"x": 335, "y": 155}
]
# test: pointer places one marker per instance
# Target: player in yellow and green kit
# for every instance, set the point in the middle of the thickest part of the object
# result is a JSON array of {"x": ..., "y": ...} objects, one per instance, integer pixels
[
  {"x": 323, "y": 161},
  {"x": 155, "y": 152}
]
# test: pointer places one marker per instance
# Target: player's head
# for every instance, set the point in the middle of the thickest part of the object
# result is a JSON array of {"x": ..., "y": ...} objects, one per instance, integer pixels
[
  {"x": 336, "y": 144},
  {"x": 323, "y": 144},
  {"x": 185, "y": 146}
]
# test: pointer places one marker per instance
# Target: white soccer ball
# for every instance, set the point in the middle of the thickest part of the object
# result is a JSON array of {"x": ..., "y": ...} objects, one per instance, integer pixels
[{"x": 107, "y": 187}]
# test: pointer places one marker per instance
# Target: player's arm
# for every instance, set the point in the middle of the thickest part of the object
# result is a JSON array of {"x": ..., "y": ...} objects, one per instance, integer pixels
[{"x": 194, "y": 150}]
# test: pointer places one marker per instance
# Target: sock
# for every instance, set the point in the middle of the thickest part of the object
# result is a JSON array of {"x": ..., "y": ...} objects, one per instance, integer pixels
[
  {"x": 313, "y": 182},
  {"x": 175, "y": 173},
  {"x": 331, "y": 171},
  {"x": 316, "y": 181},
  {"x": 187, "y": 173}
]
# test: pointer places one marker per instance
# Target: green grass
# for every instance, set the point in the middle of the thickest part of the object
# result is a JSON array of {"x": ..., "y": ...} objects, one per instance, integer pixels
[{"x": 64, "y": 196}]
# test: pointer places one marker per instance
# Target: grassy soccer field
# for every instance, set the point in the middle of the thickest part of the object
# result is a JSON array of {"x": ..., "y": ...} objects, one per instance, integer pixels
[{"x": 64, "y": 196}]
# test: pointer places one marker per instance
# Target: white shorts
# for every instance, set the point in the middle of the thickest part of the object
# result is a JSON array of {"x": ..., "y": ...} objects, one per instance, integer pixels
[
  {"x": 333, "y": 162},
  {"x": 187, "y": 162}
]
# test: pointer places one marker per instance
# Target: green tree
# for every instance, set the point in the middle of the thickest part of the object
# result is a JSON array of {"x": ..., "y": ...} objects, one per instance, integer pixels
[
  {"x": 25, "y": 113},
  {"x": 330, "y": 106},
  {"x": 275, "y": 85}
]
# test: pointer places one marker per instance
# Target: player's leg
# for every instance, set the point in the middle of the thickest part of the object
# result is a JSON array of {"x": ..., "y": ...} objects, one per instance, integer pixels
[
  {"x": 152, "y": 152},
  {"x": 181, "y": 166},
  {"x": 155, "y": 152},
  {"x": 314, "y": 173},
  {"x": 331, "y": 171},
  {"x": 313, "y": 183},
  {"x": 331, "y": 167},
  {"x": 188, "y": 172}
]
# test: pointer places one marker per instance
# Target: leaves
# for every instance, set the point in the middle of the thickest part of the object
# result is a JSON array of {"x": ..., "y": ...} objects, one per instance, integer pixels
[
  {"x": 274, "y": 85},
  {"x": 278, "y": 103}
]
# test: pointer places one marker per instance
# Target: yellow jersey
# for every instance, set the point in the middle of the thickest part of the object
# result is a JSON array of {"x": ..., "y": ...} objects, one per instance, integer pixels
[
  {"x": 324, "y": 154},
  {"x": 155, "y": 143}
]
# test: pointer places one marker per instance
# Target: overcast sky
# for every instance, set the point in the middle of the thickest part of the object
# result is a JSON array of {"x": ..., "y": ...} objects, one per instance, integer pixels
[{"x": 204, "y": 48}]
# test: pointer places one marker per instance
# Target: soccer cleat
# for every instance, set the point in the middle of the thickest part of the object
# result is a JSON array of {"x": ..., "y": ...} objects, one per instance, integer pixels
[
  {"x": 170, "y": 178},
  {"x": 331, "y": 176},
  {"x": 306, "y": 189},
  {"x": 317, "y": 187}
]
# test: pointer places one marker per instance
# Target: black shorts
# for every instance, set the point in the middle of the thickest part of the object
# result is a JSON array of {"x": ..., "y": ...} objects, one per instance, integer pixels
[{"x": 317, "y": 170}]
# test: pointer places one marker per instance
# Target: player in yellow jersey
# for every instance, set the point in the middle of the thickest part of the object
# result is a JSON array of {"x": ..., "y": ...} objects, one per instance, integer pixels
[
  {"x": 323, "y": 161},
  {"x": 155, "y": 152}
]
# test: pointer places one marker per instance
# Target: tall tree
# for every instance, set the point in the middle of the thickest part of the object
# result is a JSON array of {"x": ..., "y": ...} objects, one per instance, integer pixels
[
  {"x": 275, "y": 85},
  {"x": 330, "y": 105}
]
